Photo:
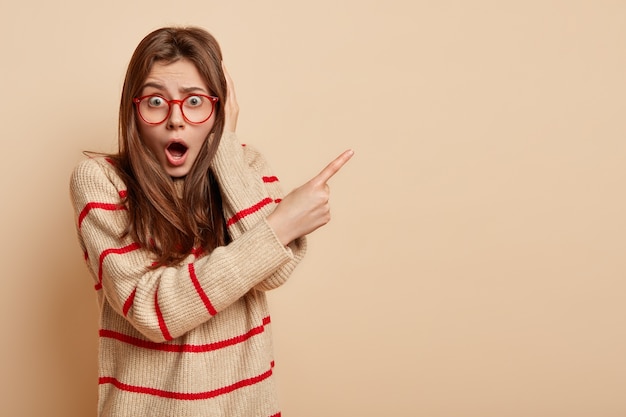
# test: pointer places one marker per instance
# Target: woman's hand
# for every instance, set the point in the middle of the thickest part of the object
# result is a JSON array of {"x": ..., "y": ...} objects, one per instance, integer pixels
[
  {"x": 306, "y": 208},
  {"x": 231, "y": 108}
]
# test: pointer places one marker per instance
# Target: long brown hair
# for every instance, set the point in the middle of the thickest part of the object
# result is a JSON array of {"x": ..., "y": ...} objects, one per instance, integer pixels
[{"x": 169, "y": 225}]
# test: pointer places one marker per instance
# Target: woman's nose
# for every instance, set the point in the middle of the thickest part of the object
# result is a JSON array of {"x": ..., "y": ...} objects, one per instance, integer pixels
[{"x": 176, "y": 119}]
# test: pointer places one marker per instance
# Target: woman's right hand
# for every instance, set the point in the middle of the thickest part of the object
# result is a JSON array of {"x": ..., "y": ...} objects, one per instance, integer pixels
[
  {"x": 231, "y": 107},
  {"x": 306, "y": 208}
]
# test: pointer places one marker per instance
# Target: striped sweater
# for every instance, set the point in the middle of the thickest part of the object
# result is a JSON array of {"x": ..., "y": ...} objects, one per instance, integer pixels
[{"x": 194, "y": 339}]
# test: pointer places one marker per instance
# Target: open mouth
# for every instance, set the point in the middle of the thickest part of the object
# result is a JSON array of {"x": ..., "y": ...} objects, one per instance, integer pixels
[
  {"x": 176, "y": 153},
  {"x": 177, "y": 150}
]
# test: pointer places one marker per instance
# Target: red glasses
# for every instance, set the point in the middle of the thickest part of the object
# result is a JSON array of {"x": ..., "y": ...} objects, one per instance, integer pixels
[{"x": 155, "y": 109}]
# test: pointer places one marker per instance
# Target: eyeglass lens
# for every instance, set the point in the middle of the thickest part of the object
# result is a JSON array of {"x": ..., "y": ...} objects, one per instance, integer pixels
[{"x": 196, "y": 108}]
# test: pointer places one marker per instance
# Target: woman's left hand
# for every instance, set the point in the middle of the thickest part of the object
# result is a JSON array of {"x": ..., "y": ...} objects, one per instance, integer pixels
[{"x": 231, "y": 107}]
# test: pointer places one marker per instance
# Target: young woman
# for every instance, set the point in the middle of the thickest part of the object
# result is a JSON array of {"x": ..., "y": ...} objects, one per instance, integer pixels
[{"x": 183, "y": 231}]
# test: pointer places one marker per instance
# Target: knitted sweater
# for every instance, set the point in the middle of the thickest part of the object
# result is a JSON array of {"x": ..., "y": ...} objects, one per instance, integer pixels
[{"x": 193, "y": 339}]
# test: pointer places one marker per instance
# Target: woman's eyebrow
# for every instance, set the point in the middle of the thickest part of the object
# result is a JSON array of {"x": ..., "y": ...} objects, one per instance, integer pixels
[
  {"x": 193, "y": 90},
  {"x": 153, "y": 85},
  {"x": 184, "y": 90}
]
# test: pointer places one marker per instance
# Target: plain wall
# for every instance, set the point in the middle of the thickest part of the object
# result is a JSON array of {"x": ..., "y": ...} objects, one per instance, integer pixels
[{"x": 475, "y": 264}]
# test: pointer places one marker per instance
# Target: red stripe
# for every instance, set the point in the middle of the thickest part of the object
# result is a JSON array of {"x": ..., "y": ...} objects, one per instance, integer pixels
[
  {"x": 117, "y": 251},
  {"x": 200, "y": 290},
  {"x": 246, "y": 212},
  {"x": 94, "y": 205},
  {"x": 184, "y": 395},
  {"x": 162, "y": 325},
  {"x": 276, "y": 415},
  {"x": 278, "y": 200},
  {"x": 129, "y": 302},
  {"x": 270, "y": 179},
  {"x": 184, "y": 348},
  {"x": 197, "y": 252}
]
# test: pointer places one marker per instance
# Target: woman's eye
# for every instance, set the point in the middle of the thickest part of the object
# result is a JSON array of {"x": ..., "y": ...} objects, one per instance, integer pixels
[
  {"x": 194, "y": 101},
  {"x": 155, "y": 101}
]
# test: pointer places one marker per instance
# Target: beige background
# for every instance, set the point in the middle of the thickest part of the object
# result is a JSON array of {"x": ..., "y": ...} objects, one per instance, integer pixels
[{"x": 475, "y": 262}]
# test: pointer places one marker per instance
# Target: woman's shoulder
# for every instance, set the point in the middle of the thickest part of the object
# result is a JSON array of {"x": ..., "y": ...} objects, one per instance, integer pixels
[{"x": 95, "y": 171}]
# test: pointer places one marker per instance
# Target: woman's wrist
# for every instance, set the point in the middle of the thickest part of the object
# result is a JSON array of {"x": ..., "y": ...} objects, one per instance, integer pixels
[{"x": 279, "y": 228}]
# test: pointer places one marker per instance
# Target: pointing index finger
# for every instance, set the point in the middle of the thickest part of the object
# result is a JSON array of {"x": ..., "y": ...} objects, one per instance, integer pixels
[{"x": 334, "y": 167}]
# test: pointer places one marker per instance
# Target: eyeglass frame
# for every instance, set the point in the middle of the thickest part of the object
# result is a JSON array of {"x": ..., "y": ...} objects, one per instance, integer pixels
[{"x": 212, "y": 99}]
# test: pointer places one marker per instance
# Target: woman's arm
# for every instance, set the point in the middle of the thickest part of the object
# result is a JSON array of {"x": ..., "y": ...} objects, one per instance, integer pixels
[
  {"x": 166, "y": 302},
  {"x": 250, "y": 189},
  {"x": 250, "y": 193}
]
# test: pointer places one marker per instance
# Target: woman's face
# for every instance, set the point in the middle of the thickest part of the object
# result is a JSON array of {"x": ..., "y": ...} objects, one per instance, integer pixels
[{"x": 176, "y": 142}]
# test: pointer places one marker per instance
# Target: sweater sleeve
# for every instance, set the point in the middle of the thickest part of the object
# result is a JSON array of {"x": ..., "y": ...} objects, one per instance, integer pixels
[
  {"x": 250, "y": 192},
  {"x": 166, "y": 302}
]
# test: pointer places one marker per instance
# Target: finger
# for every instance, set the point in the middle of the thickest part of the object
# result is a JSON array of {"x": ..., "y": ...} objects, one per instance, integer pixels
[
  {"x": 230, "y": 85},
  {"x": 332, "y": 168},
  {"x": 231, "y": 105}
]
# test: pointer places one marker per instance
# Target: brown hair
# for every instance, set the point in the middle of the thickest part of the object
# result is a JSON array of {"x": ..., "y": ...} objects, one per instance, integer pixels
[{"x": 160, "y": 220}]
